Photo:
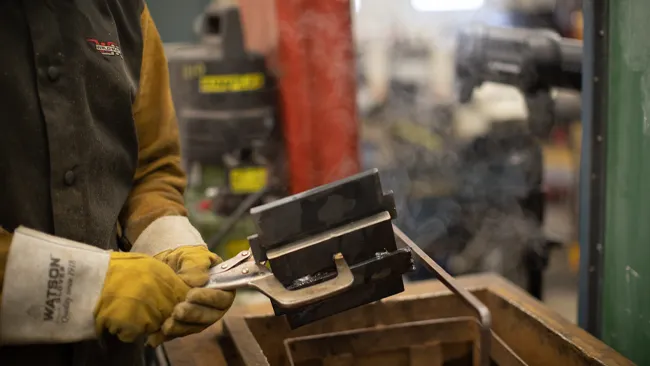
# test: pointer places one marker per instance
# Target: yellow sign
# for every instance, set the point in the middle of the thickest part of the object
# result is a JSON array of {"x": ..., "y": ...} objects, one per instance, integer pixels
[
  {"x": 231, "y": 83},
  {"x": 247, "y": 180},
  {"x": 234, "y": 247}
]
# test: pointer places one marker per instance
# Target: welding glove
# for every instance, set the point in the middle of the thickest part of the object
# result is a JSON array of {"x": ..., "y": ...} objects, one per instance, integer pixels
[
  {"x": 175, "y": 242},
  {"x": 60, "y": 291}
]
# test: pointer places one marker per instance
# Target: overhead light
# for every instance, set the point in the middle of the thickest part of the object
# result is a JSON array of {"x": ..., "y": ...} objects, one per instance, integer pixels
[{"x": 446, "y": 5}]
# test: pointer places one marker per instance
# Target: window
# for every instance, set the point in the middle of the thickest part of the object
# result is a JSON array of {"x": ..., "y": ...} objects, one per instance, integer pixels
[{"x": 446, "y": 5}]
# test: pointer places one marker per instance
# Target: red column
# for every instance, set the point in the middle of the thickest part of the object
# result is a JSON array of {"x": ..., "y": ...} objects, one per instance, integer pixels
[
  {"x": 316, "y": 71},
  {"x": 333, "y": 88},
  {"x": 295, "y": 96}
]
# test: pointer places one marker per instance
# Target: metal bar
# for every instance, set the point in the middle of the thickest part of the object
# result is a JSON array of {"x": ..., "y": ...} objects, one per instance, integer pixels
[
  {"x": 240, "y": 211},
  {"x": 482, "y": 312},
  {"x": 161, "y": 356},
  {"x": 592, "y": 165},
  {"x": 247, "y": 346}
]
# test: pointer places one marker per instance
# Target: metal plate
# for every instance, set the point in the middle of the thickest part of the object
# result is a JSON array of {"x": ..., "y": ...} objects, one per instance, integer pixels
[{"x": 326, "y": 207}]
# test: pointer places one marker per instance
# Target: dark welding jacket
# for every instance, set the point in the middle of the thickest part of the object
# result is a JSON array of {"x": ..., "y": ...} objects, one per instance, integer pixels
[{"x": 89, "y": 146}]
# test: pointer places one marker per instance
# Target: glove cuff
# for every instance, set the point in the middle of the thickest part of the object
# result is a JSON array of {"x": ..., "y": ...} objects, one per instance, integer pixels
[
  {"x": 165, "y": 233},
  {"x": 51, "y": 288}
]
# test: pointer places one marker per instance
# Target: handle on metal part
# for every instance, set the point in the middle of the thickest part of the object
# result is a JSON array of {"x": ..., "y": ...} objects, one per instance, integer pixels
[{"x": 272, "y": 288}]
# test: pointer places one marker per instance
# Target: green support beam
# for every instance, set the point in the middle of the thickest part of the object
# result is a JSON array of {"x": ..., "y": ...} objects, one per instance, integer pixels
[{"x": 625, "y": 317}]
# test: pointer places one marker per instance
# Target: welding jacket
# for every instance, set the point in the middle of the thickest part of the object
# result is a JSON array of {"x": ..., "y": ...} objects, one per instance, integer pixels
[{"x": 89, "y": 146}]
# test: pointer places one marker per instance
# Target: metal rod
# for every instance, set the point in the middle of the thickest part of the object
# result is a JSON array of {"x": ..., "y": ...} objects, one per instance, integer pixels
[
  {"x": 482, "y": 312},
  {"x": 161, "y": 356},
  {"x": 243, "y": 207}
]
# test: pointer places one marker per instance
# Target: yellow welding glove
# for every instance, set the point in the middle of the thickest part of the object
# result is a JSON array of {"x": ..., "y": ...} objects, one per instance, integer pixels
[
  {"x": 60, "y": 291},
  {"x": 174, "y": 241},
  {"x": 139, "y": 294},
  {"x": 191, "y": 263},
  {"x": 202, "y": 307}
]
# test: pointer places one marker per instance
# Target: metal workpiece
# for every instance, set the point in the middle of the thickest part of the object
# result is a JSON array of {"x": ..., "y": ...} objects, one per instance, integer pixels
[
  {"x": 339, "y": 251},
  {"x": 322, "y": 251},
  {"x": 242, "y": 271},
  {"x": 319, "y": 209}
]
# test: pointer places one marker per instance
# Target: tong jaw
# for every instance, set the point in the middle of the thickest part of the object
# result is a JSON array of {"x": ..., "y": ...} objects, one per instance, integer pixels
[{"x": 242, "y": 271}]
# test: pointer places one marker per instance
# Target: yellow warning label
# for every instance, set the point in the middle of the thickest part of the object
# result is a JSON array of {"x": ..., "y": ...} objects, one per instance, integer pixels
[
  {"x": 247, "y": 180},
  {"x": 231, "y": 83}
]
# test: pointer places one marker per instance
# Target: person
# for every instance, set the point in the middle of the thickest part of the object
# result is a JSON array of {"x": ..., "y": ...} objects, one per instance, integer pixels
[{"x": 97, "y": 255}]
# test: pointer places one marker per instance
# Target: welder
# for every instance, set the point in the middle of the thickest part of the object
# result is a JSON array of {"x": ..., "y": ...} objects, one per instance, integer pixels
[{"x": 97, "y": 256}]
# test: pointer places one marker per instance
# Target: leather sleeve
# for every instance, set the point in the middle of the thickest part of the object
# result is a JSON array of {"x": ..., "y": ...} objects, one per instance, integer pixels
[
  {"x": 5, "y": 241},
  {"x": 159, "y": 181}
]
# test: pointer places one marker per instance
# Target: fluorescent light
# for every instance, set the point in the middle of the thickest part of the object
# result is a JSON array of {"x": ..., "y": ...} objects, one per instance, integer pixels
[{"x": 446, "y": 5}]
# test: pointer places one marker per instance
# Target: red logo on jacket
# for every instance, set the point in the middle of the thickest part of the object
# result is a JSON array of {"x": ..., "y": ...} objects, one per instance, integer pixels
[{"x": 105, "y": 48}]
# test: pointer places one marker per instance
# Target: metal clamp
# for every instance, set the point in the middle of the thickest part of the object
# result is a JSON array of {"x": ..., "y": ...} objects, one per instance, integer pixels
[{"x": 242, "y": 271}]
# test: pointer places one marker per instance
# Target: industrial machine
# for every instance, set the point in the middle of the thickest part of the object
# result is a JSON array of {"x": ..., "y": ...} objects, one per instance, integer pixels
[
  {"x": 533, "y": 60},
  {"x": 226, "y": 102},
  {"x": 538, "y": 62},
  {"x": 473, "y": 204}
]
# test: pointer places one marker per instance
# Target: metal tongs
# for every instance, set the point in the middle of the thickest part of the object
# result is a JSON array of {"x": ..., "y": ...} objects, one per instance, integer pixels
[{"x": 242, "y": 271}]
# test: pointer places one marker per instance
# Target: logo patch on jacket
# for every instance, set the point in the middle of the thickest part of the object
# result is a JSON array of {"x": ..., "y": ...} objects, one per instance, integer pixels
[{"x": 105, "y": 48}]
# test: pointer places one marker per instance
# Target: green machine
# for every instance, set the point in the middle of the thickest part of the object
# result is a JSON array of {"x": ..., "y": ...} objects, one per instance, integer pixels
[
  {"x": 225, "y": 100},
  {"x": 614, "y": 299}
]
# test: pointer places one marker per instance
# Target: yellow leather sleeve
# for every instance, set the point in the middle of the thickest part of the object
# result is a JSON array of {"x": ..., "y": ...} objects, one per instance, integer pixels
[{"x": 159, "y": 180}]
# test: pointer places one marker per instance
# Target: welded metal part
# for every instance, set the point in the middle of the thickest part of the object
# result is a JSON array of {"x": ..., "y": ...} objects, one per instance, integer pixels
[
  {"x": 298, "y": 236},
  {"x": 242, "y": 271},
  {"x": 482, "y": 312},
  {"x": 358, "y": 241},
  {"x": 320, "y": 209},
  {"x": 272, "y": 288},
  {"x": 374, "y": 279}
]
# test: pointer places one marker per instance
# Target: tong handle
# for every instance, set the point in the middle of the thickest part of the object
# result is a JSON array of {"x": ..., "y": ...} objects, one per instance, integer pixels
[{"x": 271, "y": 287}]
